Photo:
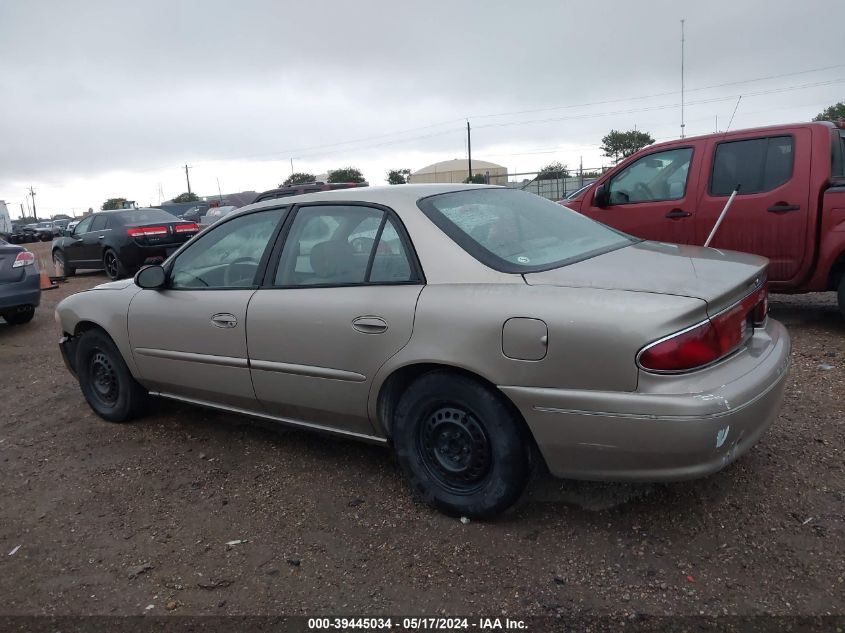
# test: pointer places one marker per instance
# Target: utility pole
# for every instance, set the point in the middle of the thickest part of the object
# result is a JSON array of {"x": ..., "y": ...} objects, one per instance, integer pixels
[
  {"x": 32, "y": 195},
  {"x": 187, "y": 177},
  {"x": 469, "y": 151},
  {"x": 291, "y": 166},
  {"x": 682, "y": 78}
]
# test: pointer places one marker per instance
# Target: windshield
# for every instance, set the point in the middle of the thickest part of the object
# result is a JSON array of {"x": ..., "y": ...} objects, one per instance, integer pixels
[
  {"x": 138, "y": 217},
  {"x": 515, "y": 231}
]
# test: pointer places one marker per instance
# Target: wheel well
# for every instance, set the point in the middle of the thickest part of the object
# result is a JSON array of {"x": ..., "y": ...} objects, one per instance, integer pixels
[
  {"x": 396, "y": 384},
  {"x": 84, "y": 326},
  {"x": 836, "y": 272}
]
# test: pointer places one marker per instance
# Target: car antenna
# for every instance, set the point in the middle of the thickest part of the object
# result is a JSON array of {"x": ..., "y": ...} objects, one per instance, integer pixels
[{"x": 735, "y": 191}]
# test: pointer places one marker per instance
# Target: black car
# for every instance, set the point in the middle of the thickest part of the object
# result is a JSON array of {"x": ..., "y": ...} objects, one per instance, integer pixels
[
  {"x": 20, "y": 287},
  {"x": 121, "y": 241},
  {"x": 306, "y": 187},
  {"x": 22, "y": 234}
]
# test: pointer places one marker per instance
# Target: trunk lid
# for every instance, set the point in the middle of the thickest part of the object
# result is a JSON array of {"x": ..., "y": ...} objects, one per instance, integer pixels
[
  {"x": 8, "y": 252},
  {"x": 720, "y": 278}
]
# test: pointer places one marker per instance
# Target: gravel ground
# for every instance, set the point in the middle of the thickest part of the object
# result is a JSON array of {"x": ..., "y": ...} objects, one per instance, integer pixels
[{"x": 98, "y": 518}]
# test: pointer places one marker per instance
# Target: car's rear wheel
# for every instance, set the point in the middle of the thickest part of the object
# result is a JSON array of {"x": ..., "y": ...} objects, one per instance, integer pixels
[
  {"x": 106, "y": 381},
  {"x": 19, "y": 315},
  {"x": 113, "y": 266},
  {"x": 462, "y": 449},
  {"x": 60, "y": 261}
]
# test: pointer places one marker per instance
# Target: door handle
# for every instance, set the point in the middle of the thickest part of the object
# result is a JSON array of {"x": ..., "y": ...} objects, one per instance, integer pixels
[
  {"x": 101, "y": 237},
  {"x": 370, "y": 324},
  {"x": 783, "y": 207},
  {"x": 677, "y": 214},
  {"x": 224, "y": 320}
]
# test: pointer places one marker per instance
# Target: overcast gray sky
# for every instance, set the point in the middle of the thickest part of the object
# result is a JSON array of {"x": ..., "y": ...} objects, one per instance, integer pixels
[{"x": 109, "y": 98}]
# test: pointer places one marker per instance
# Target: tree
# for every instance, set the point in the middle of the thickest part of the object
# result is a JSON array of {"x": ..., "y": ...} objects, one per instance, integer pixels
[
  {"x": 186, "y": 197},
  {"x": 113, "y": 203},
  {"x": 553, "y": 171},
  {"x": 836, "y": 112},
  {"x": 477, "y": 179},
  {"x": 398, "y": 176},
  {"x": 618, "y": 145},
  {"x": 298, "y": 178},
  {"x": 346, "y": 174}
]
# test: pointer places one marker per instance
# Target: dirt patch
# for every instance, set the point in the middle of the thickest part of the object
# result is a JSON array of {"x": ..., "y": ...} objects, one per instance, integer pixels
[{"x": 196, "y": 512}]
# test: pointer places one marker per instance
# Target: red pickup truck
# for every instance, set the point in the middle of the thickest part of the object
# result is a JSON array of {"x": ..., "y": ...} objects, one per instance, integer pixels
[{"x": 790, "y": 206}]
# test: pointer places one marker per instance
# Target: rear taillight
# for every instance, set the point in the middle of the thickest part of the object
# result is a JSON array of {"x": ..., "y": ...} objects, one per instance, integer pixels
[
  {"x": 193, "y": 227},
  {"x": 708, "y": 341},
  {"x": 146, "y": 231},
  {"x": 24, "y": 258}
]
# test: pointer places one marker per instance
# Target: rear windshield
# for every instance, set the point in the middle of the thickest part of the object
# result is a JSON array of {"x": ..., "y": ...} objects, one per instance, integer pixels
[
  {"x": 137, "y": 217},
  {"x": 518, "y": 232}
]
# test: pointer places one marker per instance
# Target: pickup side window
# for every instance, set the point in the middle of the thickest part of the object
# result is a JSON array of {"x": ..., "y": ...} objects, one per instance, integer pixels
[
  {"x": 653, "y": 178},
  {"x": 758, "y": 165}
]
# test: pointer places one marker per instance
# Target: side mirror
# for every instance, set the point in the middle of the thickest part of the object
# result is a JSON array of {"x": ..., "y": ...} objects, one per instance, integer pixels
[
  {"x": 150, "y": 277},
  {"x": 601, "y": 197}
]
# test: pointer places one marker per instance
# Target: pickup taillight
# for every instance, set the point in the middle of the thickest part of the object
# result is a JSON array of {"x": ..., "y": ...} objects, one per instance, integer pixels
[{"x": 708, "y": 341}]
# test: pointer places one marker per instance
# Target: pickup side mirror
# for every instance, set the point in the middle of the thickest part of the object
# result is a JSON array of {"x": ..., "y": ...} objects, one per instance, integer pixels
[
  {"x": 150, "y": 277},
  {"x": 601, "y": 197}
]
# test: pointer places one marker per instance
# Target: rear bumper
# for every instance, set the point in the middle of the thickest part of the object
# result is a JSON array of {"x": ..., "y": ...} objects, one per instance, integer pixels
[
  {"x": 27, "y": 291},
  {"x": 672, "y": 427},
  {"x": 136, "y": 255}
]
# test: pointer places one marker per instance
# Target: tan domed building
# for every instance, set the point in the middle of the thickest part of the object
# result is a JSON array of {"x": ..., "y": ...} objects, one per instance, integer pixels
[{"x": 455, "y": 171}]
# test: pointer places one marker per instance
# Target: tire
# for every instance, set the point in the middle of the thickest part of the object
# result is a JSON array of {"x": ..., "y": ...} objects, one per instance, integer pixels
[
  {"x": 46, "y": 238},
  {"x": 460, "y": 446},
  {"x": 19, "y": 315},
  {"x": 59, "y": 260},
  {"x": 113, "y": 266},
  {"x": 105, "y": 380}
]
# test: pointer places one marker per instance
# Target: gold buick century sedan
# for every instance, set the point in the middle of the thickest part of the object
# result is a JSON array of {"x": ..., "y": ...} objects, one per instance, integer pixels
[{"x": 481, "y": 332}]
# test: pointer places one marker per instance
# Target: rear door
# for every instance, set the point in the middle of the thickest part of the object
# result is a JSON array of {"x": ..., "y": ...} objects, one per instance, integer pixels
[
  {"x": 769, "y": 215},
  {"x": 653, "y": 197},
  {"x": 189, "y": 339},
  {"x": 340, "y": 303}
]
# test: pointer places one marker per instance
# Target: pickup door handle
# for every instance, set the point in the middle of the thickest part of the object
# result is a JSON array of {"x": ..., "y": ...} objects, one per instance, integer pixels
[
  {"x": 677, "y": 214},
  {"x": 370, "y": 324},
  {"x": 783, "y": 207},
  {"x": 224, "y": 320}
]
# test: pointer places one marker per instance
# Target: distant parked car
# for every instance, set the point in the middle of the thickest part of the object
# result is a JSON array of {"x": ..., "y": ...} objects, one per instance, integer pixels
[
  {"x": 215, "y": 213},
  {"x": 478, "y": 331},
  {"x": 20, "y": 284},
  {"x": 71, "y": 225},
  {"x": 22, "y": 234},
  {"x": 46, "y": 231},
  {"x": 193, "y": 214},
  {"x": 121, "y": 241}
]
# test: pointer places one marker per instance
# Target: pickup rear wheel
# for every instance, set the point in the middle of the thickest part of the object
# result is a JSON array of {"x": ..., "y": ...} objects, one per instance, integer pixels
[
  {"x": 462, "y": 449},
  {"x": 105, "y": 380}
]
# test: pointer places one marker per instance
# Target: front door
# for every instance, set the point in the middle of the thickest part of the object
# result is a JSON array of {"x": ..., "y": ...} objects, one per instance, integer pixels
[
  {"x": 189, "y": 338},
  {"x": 74, "y": 246},
  {"x": 339, "y": 304},
  {"x": 769, "y": 214},
  {"x": 653, "y": 197}
]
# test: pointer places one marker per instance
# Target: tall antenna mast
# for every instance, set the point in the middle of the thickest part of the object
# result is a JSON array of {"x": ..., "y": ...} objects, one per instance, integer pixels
[{"x": 682, "y": 78}]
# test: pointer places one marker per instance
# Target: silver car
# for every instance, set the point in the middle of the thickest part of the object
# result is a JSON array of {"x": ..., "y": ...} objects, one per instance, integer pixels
[{"x": 480, "y": 332}]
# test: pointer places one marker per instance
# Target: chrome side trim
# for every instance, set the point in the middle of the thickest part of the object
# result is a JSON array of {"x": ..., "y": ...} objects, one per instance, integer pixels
[
  {"x": 307, "y": 370},
  {"x": 374, "y": 439},
  {"x": 191, "y": 357}
]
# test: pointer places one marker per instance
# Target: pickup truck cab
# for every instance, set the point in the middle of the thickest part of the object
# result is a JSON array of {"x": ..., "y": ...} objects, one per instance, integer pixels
[{"x": 790, "y": 207}]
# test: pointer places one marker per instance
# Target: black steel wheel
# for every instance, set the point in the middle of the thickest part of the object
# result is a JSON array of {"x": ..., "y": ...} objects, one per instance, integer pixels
[
  {"x": 463, "y": 449},
  {"x": 105, "y": 380}
]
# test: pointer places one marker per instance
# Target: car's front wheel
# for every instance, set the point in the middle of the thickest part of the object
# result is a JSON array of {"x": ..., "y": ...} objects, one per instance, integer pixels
[
  {"x": 106, "y": 381},
  {"x": 462, "y": 449},
  {"x": 60, "y": 262},
  {"x": 19, "y": 315},
  {"x": 113, "y": 266}
]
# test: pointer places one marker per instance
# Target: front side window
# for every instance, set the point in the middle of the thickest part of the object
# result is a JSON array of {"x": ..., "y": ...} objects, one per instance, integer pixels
[
  {"x": 653, "y": 178},
  {"x": 756, "y": 165},
  {"x": 337, "y": 245},
  {"x": 518, "y": 232},
  {"x": 83, "y": 226},
  {"x": 227, "y": 256}
]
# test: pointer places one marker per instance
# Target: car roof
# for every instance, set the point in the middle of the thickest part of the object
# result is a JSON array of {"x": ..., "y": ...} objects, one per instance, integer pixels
[{"x": 388, "y": 195}]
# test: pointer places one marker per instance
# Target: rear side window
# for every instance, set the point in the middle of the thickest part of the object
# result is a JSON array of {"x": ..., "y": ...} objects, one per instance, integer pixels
[
  {"x": 100, "y": 222},
  {"x": 757, "y": 165}
]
